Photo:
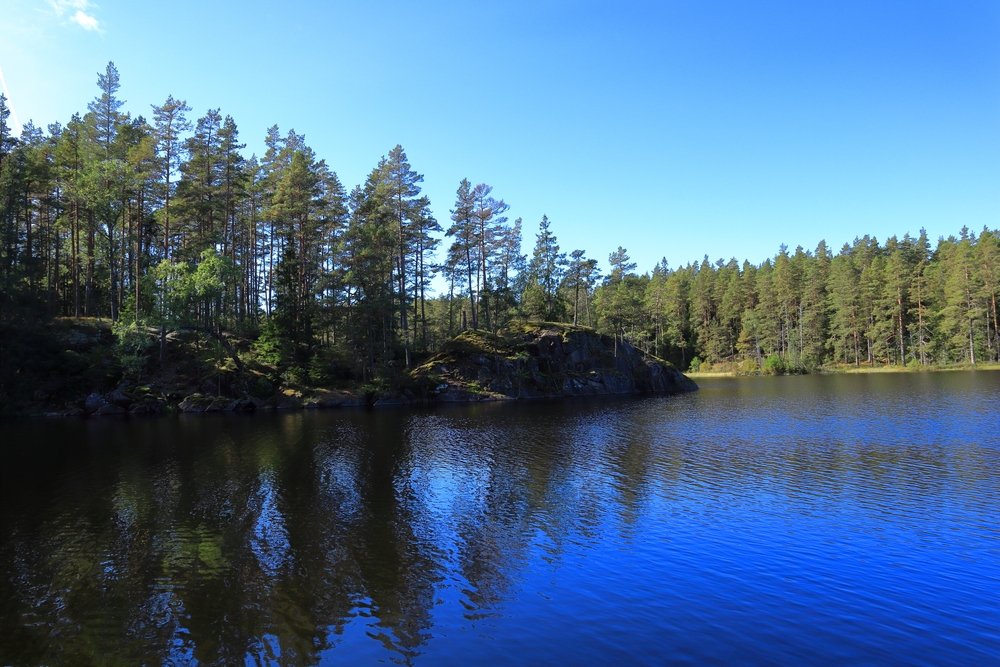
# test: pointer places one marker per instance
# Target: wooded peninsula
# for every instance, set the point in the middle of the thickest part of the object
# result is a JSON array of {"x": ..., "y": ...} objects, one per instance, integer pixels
[{"x": 150, "y": 256}]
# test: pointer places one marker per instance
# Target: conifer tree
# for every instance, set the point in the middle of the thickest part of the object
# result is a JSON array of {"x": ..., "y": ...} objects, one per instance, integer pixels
[
  {"x": 169, "y": 122},
  {"x": 465, "y": 248},
  {"x": 814, "y": 321},
  {"x": 489, "y": 220},
  {"x": 960, "y": 311},
  {"x": 105, "y": 173},
  {"x": 987, "y": 273},
  {"x": 402, "y": 195},
  {"x": 581, "y": 274},
  {"x": 545, "y": 272},
  {"x": 845, "y": 321}
]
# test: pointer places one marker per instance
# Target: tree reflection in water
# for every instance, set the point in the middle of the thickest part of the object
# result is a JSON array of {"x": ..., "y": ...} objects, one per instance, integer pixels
[{"x": 284, "y": 538}]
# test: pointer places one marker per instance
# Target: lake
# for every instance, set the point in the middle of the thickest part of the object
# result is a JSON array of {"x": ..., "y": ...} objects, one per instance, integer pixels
[{"x": 815, "y": 520}]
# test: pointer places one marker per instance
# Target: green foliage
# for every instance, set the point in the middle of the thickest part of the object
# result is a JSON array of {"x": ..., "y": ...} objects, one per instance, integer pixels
[
  {"x": 109, "y": 216},
  {"x": 131, "y": 345},
  {"x": 778, "y": 365},
  {"x": 387, "y": 381},
  {"x": 328, "y": 367},
  {"x": 272, "y": 345},
  {"x": 295, "y": 375},
  {"x": 774, "y": 365},
  {"x": 545, "y": 273}
]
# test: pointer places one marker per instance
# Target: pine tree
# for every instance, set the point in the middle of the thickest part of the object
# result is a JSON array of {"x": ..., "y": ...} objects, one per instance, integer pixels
[
  {"x": 200, "y": 193},
  {"x": 545, "y": 272},
  {"x": 815, "y": 307},
  {"x": 785, "y": 283},
  {"x": 105, "y": 173},
  {"x": 768, "y": 311},
  {"x": 732, "y": 303},
  {"x": 619, "y": 298},
  {"x": 169, "y": 123},
  {"x": 987, "y": 273},
  {"x": 845, "y": 324},
  {"x": 510, "y": 271},
  {"x": 701, "y": 304},
  {"x": 402, "y": 198},
  {"x": 920, "y": 291},
  {"x": 580, "y": 276},
  {"x": 960, "y": 311},
  {"x": 9, "y": 174},
  {"x": 465, "y": 248}
]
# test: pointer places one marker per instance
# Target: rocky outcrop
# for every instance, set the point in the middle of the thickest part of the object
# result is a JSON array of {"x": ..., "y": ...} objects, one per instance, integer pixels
[
  {"x": 521, "y": 362},
  {"x": 541, "y": 361}
]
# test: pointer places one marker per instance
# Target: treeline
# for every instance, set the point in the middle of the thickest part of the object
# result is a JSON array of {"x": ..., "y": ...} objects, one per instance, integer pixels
[
  {"x": 163, "y": 223},
  {"x": 898, "y": 303}
]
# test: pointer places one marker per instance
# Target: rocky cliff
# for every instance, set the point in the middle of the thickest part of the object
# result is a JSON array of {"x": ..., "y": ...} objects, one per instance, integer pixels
[{"x": 543, "y": 360}]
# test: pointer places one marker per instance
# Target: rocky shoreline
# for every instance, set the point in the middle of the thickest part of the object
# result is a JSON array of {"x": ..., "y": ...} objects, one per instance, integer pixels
[
  {"x": 141, "y": 401},
  {"x": 528, "y": 361},
  {"x": 534, "y": 361}
]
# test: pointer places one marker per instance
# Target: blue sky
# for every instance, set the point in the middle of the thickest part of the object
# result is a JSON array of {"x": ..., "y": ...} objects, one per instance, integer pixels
[{"x": 674, "y": 129}]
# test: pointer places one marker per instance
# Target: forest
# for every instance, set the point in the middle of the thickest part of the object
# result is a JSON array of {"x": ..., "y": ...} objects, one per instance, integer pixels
[{"x": 161, "y": 224}]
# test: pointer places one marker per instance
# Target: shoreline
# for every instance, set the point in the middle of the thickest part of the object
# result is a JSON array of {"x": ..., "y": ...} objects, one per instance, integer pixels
[
  {"x": 853, "y": 370},
  {"x": 538, "y": 360},
  {"x": 348, "y": 402}
]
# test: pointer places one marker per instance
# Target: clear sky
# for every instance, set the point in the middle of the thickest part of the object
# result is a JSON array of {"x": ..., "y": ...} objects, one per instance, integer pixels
[{"x": 674, "y": 129}]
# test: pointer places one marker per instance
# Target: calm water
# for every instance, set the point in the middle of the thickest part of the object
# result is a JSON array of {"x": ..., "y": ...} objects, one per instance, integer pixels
[{"x": 801, "y": 520}]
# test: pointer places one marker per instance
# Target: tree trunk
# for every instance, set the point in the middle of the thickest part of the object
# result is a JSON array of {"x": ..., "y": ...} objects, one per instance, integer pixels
[{"x": 163, "y": 346}]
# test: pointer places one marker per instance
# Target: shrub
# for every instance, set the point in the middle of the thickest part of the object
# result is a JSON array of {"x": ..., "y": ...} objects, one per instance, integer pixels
[
  {"x": 777, "y": 365},
  {"x": 295, "y": 375},
  {"x": 774, "y": 365},
  {"x": 130, "y": 349}
]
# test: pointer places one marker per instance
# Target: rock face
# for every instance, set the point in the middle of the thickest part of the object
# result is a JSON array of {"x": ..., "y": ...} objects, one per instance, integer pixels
[{"x": 544, "y": 360}]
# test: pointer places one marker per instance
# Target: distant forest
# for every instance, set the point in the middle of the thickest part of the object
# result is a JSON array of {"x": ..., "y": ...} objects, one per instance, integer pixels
[{"x": 161, "y": 223}]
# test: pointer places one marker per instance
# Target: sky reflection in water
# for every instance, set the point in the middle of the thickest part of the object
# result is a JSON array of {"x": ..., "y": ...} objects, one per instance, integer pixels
[{"x": 814, "y": 520}]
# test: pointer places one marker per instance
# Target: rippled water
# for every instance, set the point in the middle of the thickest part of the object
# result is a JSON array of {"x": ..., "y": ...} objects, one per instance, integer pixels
[{"x": 800, "y": 520}]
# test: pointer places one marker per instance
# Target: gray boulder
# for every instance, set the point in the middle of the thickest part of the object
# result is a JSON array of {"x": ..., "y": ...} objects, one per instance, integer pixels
[{"x": 94, "y": 402}]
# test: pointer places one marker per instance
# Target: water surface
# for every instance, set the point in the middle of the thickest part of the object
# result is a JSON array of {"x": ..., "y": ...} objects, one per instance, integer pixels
[{"x": 801, "y": 520}]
